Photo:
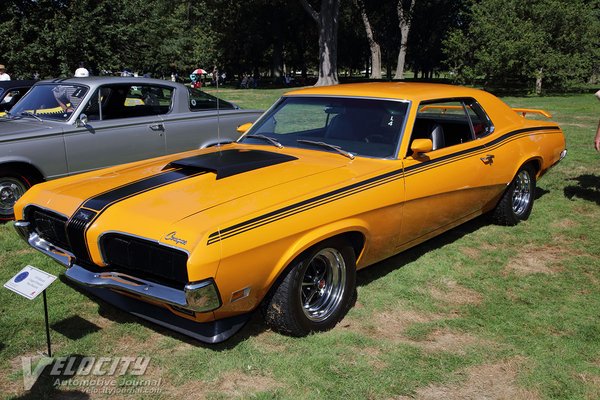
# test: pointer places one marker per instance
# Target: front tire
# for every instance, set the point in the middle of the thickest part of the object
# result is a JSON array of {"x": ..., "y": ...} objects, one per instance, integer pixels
[
  {"x": 316, "y": 293},
  {"x": 12, "y": 186},
  {"x": 517, "y": 201}
]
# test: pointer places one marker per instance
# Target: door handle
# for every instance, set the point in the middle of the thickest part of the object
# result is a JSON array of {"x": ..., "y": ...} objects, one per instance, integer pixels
[
  {"x": 157, "y": 127},
  {"x": 489, "y": 159}
]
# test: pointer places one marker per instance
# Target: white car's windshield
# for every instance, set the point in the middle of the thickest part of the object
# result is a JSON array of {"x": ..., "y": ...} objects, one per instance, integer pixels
[
  {"x": 51, "y": 101},
  {"x": 360, "y": 126}
]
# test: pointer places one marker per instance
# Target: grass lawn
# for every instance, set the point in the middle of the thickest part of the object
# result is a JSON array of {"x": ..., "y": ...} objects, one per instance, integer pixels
[{"x": 482, "y": 311}]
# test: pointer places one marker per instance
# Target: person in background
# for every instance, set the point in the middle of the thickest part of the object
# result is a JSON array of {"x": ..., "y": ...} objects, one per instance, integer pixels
[
  {"x": 597, "y": 138},
  {"x": 81, "y": 72},
  {"x": 3, "y": 75}
]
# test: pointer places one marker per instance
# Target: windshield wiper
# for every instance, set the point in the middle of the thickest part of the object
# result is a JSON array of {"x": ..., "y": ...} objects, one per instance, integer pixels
[
  {"x": 329, "y": 146},
  {"x": 266, "y": 138},
  {"x": 30, "y": 114}
]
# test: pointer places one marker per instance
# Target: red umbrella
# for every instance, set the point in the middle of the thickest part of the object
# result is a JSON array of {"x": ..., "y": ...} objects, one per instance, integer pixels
[{"x": 199, "y": 71}]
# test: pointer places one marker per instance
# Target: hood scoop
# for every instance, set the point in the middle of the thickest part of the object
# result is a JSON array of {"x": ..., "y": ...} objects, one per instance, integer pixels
[{"x": 231, "y": 162}]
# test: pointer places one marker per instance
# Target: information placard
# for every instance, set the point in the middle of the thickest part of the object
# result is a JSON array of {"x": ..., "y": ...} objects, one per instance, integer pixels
[{"x": 30, "y": 282}]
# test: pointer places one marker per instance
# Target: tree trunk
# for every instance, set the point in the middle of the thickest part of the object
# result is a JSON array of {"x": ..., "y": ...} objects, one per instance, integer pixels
[
  {"x": 539, "y": 75},
  {"x": 404, "y": 20},
  {"x": 327, "y": 21},
  {"x": 373, "y": 45}
]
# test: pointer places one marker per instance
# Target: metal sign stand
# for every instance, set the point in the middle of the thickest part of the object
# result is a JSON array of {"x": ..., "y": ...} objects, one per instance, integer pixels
[
  {"x": 47, "y": 324},
  {"x": 29, "y": 282}
]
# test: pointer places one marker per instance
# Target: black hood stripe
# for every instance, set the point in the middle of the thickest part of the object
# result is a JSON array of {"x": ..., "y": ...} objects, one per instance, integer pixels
[
  {"x": 91, "y": 209},
  {"x": 369, "y": 184},
  {"x": 104, "y": 200}
]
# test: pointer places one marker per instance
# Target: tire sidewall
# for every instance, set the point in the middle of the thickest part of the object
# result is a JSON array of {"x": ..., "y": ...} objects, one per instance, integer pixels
[
  {"x": 297, "y": 274},
  {"x": 532, "y": 185},
  {"x": 26, "y": 182}
]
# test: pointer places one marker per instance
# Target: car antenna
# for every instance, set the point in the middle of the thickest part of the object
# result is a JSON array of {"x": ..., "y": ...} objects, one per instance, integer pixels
[{"x": 218, "y": 116}]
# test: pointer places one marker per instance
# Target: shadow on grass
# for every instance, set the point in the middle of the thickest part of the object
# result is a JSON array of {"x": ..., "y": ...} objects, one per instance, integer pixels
[
  {"x": 75, "y": 327},
  {"x": 382, "y": 268},
  {"x": 539, "y": 193},
  {"x": 587, "y": 188},
  {"x": 49, "y": 386}
]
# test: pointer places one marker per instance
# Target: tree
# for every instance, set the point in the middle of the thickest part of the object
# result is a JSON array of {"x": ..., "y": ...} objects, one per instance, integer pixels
[
  {"x": 544, "y": 42},
  {"x": 327, "y": 21},
  {"x": 374, "y": 47},
  {"x": 431, "y": 21},
  {"x": 404, "y": 20}
]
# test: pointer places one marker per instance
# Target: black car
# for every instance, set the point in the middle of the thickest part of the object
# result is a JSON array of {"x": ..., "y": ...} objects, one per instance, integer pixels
[{"x": 11, "y": 92}]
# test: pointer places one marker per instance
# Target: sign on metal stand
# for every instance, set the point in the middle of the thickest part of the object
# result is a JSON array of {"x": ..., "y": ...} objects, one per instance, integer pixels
[{"x": 29, "y": 283}]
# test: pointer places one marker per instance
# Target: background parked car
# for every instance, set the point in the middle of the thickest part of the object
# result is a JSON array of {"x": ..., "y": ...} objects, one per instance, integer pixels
[
  {"x": 11, "y": 92},
  {"x": 66, "y": 126}
]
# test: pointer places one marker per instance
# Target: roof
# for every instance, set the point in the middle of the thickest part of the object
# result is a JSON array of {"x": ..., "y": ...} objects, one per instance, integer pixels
[
  {"x": 103, "y": 80},
  {"x": 391, "y": 90}
]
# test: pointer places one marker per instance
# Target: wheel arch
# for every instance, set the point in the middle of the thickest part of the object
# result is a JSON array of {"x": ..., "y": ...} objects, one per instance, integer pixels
[
  {"x": 355, "y": 232},
  {"x": 536, "y": 162},
  {"x": 30, "y": 171}
]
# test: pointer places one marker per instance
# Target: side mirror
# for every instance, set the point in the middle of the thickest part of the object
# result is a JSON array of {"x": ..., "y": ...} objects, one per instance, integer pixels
[
  {"x": 244, "y": 128},
  {"x": 82, "y": 120},
  {"x": 420, "y": 146}
]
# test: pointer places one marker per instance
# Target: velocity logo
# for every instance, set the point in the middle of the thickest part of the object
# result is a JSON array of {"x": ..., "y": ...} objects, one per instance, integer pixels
[{"x": 85, "y": 371}]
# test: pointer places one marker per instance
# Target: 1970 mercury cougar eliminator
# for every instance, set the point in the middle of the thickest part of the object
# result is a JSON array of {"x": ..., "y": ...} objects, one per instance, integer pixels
[
  {"x": 65, "y": 126},
  {"x": 328, "y": 181}
]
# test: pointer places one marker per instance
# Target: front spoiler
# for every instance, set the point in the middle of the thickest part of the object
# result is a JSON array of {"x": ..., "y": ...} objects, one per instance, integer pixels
[{"x": 206, "y": 332}]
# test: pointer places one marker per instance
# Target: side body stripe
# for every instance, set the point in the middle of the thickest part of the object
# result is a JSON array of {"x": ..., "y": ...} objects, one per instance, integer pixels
[{"x": 367, "y": 184}]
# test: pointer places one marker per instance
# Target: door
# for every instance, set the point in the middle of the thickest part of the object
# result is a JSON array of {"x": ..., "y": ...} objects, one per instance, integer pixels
[
  {"x": 123, "y": 125},
  {"x": 449, "y": 184}
]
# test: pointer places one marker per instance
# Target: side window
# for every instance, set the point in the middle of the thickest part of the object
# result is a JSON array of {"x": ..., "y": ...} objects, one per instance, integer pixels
[
  {"x": 200, "y": 101},
  {"x": 126, "y": 101},
  {"x": 450, "y": 122},
  {"x": 482, "y": 126}
]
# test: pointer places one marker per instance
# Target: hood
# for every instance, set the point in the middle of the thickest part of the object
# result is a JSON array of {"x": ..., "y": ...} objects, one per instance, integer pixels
[{"x": 26, "y": 128}]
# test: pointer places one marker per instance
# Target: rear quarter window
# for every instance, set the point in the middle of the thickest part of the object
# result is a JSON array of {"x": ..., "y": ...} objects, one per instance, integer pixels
[{"x": 202, "y": 101}]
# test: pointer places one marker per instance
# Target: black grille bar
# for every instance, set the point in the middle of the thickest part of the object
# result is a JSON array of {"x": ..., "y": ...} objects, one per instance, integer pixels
[{"x": 76, "y": 228}]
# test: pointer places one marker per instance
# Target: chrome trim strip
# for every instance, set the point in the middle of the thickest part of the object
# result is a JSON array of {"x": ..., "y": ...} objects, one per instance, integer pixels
[
  {"x": 59, "y": 255},
  {"x": 127, "y": 283}
]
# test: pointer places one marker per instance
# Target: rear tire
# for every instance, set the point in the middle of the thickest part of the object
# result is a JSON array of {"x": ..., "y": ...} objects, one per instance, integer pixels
[
  {"x": 517, "y": 201},
  {"x": 12, "y": 186},
  {"x": 316, "y": 293}
]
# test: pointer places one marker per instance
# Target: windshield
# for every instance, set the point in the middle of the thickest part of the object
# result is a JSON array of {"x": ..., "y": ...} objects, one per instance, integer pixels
[
  {"x": 55, "y": 102},
  {"x": 364, "y": 127}
]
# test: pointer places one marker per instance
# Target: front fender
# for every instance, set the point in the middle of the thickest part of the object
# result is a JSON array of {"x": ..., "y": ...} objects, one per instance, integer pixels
[{"x": 258, "y": 267}]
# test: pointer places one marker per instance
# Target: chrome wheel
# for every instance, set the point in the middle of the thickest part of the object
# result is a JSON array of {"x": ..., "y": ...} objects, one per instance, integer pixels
[
  {"x": 323, "y": 283},
  {"x": 522, "y": 192},
  {"x": 11, "y": 189}
]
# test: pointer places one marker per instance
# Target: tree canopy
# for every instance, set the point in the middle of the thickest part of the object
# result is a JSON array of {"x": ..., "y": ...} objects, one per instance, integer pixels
[{"x": 545, "y": 42}]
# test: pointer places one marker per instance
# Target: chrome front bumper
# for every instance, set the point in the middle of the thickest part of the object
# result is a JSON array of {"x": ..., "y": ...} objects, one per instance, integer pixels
[{"x": 200, "y": 296}]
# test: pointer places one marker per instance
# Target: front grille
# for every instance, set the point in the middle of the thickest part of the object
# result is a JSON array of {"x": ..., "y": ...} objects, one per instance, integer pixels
[
  {"x": 145, "y": 259},
  {"x": 49, "y": 226}
]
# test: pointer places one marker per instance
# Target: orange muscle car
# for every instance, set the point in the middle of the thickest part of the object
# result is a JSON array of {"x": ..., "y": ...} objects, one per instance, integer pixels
[{"x": 328, "y": 181}]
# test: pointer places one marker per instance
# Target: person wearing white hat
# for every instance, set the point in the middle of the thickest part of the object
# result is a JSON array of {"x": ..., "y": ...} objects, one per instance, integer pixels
[
  {"x": 3, "y": 75},
  {"x": 81, "y": 72}
]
